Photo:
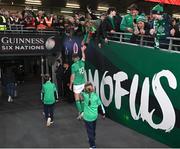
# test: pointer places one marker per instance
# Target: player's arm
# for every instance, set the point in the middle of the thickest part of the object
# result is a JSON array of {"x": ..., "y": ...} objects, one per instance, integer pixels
[{"x": 83, "y": 48}]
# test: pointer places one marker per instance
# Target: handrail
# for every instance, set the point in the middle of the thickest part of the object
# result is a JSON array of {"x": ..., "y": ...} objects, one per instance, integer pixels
[
  {"x": 30, "y": 31},
  {"x": 143, "y": 39}
]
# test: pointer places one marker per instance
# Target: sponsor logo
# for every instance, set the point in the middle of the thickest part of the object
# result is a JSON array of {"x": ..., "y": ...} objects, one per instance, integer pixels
[{"x": 50, "y": 43}]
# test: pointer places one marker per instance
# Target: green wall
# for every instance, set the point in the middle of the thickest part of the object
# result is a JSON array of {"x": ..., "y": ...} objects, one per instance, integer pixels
[{"x": 156, "y": 74}]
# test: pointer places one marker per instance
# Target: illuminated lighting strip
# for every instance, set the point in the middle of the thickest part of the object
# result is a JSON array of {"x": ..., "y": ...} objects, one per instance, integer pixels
[
  {"x": 33, "y": 1},
  {"x": 72, "y": 4},
  {"x": 63, "y": 11},
  {"x": 176, "y": 15},
  {"x": 71, "y": 7},
  {"x": 102, "y": 8}
]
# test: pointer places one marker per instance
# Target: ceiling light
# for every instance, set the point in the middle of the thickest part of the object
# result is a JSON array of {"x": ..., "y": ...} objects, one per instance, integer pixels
[
  {"x": 72, "y": 5},
  {"x": 33, "y": 2},
  {"x": 176, "y": 15},
  {"x": 102, "y": 8},
  {"x": 65, "y": 11}
]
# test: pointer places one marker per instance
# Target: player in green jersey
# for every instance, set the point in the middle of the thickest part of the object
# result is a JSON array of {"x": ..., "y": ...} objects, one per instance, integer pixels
[{"x": 77, "y": 79}]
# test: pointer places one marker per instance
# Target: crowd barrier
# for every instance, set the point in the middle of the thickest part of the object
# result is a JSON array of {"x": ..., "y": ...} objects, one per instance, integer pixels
[{"x": 172, "y": 43}]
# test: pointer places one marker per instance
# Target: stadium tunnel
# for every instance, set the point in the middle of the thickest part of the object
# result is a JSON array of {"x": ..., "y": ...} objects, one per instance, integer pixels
[{"x": 28, "y": 56}]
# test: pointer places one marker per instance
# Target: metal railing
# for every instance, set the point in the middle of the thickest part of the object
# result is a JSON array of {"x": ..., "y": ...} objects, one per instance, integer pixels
[
  {"x": 171, "y": 43},
  {"x": 19, "y": 29},
  {"x": 142, "y": 40}
]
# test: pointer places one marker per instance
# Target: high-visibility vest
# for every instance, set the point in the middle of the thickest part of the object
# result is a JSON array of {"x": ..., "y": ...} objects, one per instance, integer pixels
[
  {"x": 41, "y": 23},
  {"x": 3, "y": 24},
  {"x": 49, "y": 21}
]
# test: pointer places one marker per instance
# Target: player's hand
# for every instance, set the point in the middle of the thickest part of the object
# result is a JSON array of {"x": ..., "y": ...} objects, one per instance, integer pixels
[{"x": 83, "y": 48}]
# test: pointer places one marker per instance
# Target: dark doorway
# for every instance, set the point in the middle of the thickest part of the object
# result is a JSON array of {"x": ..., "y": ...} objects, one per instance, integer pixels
[{"x": 27, "y": 71}]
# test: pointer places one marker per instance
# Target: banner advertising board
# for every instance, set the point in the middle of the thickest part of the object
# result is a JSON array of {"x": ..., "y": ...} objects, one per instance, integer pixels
[{"x": 28, "y": 44}]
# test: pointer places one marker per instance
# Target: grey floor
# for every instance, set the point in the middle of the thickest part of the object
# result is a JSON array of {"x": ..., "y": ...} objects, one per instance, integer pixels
[{"x": 22, "y": 125}]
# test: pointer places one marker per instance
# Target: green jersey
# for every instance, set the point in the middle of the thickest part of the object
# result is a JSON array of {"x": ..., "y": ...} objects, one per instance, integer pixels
[
  {"x": 91, "y": 103},
  {"x": 127, "y": 22},
  {"x": 79, "y": 72},
  {"x": 159, "y": 26},
  {"x": 49, "y": 89}
]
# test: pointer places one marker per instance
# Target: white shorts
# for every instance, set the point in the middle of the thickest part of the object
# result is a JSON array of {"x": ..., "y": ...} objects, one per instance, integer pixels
[{"x": 78, "y": 88}]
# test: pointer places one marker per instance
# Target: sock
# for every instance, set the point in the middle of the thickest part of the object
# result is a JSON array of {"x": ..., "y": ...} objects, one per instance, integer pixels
[
  {"x": 78, "y": 106},
  {"x": 82, "y": 105}
]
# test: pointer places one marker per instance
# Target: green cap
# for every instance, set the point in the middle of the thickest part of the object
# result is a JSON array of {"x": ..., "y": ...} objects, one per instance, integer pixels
[
  {"x": 141, "y": 18},
  {"x": 158, "y": 9}
]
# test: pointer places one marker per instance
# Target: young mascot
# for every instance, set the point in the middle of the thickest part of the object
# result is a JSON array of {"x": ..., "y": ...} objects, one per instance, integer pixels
[
  {"x": 48, "y": 95},
  {"x": 90, "y": 114}
]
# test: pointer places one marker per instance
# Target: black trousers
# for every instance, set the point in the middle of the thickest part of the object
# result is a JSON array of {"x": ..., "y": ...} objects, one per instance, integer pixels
[
  {"x": 60, "y": 87},
  {"x": 49, "y": 111},
  {"x": 91, "y": 131}
]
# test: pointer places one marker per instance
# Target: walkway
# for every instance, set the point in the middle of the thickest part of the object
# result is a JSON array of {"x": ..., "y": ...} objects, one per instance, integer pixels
[{"x": 22, "y": 125}]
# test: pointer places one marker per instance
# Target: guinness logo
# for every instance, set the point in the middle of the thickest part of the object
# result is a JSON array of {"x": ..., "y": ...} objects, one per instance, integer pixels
[{"x": 50, "y": 43}]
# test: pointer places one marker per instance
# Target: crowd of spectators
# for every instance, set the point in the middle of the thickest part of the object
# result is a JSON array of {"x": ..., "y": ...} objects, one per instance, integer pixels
[{"x": 90, "y": 26}]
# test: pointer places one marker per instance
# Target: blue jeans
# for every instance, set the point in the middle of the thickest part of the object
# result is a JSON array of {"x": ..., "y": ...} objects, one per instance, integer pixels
[
  {"x": 91, "y": 131},
  {"x": 49, "y": 111},
  {"x": 10, "y": 89}
]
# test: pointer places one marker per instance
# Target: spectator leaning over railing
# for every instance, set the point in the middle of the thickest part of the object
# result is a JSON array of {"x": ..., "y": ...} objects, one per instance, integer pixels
[
  {"x": 3, "y": 21},
  {"x": 118, "y": 20},
  {"x": 161, "y": 27},
  {"x": 141, "y": 28},
  {"x": 175, "y": 32},
  {"x": 100, "y": 30},
  {"x": 40, "y": 21},
  {"x": 90, "y": 30},
  {"x": 128, "y": 20},
  {"x": 79, "y": 22},
  {"x": 70, "y": 26},
  {"x": 29, "y": 20},
  {"x": 108, "y": 24},
  {"x": 58, "y": 23},
  {"x": 16, "y": 21},
  {"x": 49, "y": 21}
]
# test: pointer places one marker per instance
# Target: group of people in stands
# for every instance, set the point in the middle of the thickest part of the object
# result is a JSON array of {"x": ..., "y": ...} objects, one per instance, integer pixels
[{"x": 157, "y": 24}]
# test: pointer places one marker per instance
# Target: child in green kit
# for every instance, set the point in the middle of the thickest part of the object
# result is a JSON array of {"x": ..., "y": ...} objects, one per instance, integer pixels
[
  {"x": 48, "y": 95},
  {"x": 90, "y": 113}
]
